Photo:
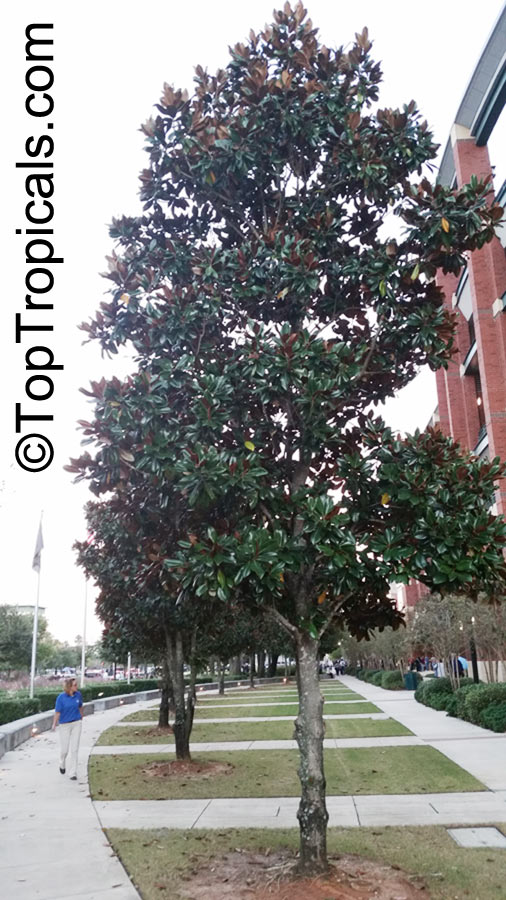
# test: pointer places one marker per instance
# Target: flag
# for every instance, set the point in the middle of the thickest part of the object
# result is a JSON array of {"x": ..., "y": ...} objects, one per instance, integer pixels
[{"x": 38, "y": 547}]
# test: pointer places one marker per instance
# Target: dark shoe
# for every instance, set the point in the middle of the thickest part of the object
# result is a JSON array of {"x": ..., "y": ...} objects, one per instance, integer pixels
[
  {"x": 62, "y": 770},
  {"x": 73, "y": 777}
]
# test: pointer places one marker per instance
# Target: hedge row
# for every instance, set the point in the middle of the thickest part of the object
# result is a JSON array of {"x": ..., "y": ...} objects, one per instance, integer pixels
[
  {"x": 391, "y": 679},
  {"x": 10, "y": 710},
  {"x": 43, "y": 701},
  {"x": 481, "y": 704}
]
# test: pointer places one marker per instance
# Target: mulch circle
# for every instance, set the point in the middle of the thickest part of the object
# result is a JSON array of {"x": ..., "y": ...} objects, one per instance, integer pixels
[
  {"x": 156, "y": 732},
  {"x": 255, "y": 876},
  {"x": 177, "y": 767}
]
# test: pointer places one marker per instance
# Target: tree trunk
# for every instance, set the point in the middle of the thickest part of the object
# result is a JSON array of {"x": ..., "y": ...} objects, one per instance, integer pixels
[
  {"x": 235, "y": 666},
  {"x": 252, "y": 671},
  {"x": 221, "y": 682},
  {"x": 163, "y": 715},
  {"x": 175, "y": 661},
  {"x": 191, "y": 697},
  {"x": 261, "y": 664},
  {"x": 309, "y": 731},
  {"x": 273, "y": 666}
]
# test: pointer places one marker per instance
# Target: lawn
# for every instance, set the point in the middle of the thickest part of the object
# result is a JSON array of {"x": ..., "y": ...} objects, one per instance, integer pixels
[
  {"x": 273, "y": 773},
  {"x": 238, "y": 712},
  {"x": 159, "y": 860},
  {"x": 289, "y": 696},
  {"x": 253, "y": 731}
]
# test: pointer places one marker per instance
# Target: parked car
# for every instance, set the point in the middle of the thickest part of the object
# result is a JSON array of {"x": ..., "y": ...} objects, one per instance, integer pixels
[{"x": 93, "y": 673}]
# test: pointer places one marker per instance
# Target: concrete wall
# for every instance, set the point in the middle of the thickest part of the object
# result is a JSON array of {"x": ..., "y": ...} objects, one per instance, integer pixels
[
  {"x": 14, "y": 733},
  {"x": 501, "y": 673}
]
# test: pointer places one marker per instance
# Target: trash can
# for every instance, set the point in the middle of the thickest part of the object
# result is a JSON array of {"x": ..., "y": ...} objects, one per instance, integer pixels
[{"x": 410, "y": 681}]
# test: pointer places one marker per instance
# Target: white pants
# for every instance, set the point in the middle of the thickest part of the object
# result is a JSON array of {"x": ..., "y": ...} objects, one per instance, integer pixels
[{"x": 70, "y": 734}]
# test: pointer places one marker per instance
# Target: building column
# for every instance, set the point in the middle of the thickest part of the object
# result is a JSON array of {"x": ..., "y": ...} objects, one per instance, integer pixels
[
  {"x": 487, "y": 274},
  {"x": 456, "y": 395}
]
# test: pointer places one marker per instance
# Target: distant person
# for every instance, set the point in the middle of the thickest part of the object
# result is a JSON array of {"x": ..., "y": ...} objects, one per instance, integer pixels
[
  {"x": 328, "y": 666},
  {"x": 68, "y": 715}
]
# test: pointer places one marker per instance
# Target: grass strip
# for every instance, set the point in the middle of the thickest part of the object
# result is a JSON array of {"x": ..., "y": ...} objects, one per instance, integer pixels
[
  {"x": 158, "y": 860},
  {"x": 253, "y": 731},
  {"x": 273, "y": 773},
  {"x": 240, "y": 712},
  {"x": 270, "y": 698}
]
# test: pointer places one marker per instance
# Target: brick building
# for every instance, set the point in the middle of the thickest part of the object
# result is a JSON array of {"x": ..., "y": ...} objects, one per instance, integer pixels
[{"x": 472, "y": 391}]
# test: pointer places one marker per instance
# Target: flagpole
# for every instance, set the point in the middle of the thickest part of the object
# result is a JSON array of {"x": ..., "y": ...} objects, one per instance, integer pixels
[
  {"x": 34, "y": 637},
  {"x": 83, "y": 649},
  {"x": 36, "y": 565}
]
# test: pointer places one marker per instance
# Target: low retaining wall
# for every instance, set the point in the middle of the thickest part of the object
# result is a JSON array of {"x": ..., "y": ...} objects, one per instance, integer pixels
[{"x": 14, "y": 733}]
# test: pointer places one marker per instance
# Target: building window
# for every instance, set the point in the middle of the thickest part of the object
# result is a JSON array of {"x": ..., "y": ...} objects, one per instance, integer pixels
[
  {"x": 472, "y": 334},
  {"x": 479, "y": 400}
]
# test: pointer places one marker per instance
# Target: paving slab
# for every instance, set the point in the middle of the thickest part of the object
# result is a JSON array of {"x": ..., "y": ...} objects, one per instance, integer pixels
[
  {"x": 281, "y": 812},
  {"x": 281, "y": 703},
  {"x": 430, "y": 809},
  {"x": 222, "y": 746},
  {"x": 484, "y": 758},
  {"x": 213, "y": 721},
  {"x": 43, "y": 810},
  {"x": 478, "y": 837},
  {"x": 150, "y": 814}
]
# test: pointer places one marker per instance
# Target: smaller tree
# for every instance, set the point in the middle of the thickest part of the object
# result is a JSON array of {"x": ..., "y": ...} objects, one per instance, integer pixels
[
  {"x": 440, "y": 623},
  {"x": 16, "y": 635}
]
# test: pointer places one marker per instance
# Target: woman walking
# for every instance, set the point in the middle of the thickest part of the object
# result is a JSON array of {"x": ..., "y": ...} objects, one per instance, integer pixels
[{"x": 68, "y": 715}]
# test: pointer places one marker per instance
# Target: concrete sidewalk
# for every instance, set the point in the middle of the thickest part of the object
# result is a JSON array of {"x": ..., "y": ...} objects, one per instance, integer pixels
[
  {"x": 480, "y": 807},
  {"x": 52, "y": 846}
]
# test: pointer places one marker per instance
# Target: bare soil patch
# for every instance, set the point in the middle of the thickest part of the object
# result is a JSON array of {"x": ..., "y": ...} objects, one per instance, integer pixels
[
  {"x": 156, "y": 732},
  {"x": 178, "y": 768},
  {"x": 256, "y": 876}
]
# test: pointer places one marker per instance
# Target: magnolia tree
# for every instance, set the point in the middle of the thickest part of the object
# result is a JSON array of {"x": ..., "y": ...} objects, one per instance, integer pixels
[
  {"x": 271, "y": 312},
  {"x": 137, "y": 610}
]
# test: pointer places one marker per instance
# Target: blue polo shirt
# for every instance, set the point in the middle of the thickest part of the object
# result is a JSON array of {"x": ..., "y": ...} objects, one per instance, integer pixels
[{"x": 68, "y": 707}]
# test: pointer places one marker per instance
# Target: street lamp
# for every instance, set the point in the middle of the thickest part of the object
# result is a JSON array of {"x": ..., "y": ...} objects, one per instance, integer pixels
[{"x": 472, "y": 647}]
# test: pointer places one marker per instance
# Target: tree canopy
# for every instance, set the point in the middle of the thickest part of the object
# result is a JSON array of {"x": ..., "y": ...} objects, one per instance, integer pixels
[{"x": 271, "y": 310}]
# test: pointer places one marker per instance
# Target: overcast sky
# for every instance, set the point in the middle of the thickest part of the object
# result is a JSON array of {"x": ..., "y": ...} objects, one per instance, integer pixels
[{"x": 110, "y": 61}]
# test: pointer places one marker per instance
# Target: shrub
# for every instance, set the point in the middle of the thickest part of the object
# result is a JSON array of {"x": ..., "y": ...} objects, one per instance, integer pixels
[
  {"x": 494, "y": 717},
  {"x": 420, "y": 692},
  {"x": 47, "y": 699},
  {"x": 377, "y": 678},
  {"x": 478, "y": 700},
  {"x": 439, "y": 700},
  {"x": 392, "y": 681},
  {"x": 426, "y": 690},
  {"x": 10, "y": 710},
  {"x": 370, "y": 673},
  {"x": 146, "y": 684},
  {"x": 438, "y": 686},
  {"x": 460, "y": 699},
  {"x": 451, "y": 705}
]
